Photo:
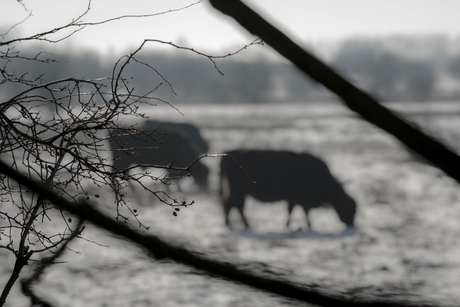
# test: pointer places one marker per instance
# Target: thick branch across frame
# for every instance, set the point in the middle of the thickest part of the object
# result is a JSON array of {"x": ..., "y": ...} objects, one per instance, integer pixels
[
  {"x": 356, "y": 100},
  {"x": 161, "y": 249}
]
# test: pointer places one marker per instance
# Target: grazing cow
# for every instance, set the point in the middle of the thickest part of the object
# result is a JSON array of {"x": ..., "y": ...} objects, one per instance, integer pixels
[
  {"x": 280, "y": 175},
  {"x": 187, "y": 130},
  {"x": 143, "y": 149}
]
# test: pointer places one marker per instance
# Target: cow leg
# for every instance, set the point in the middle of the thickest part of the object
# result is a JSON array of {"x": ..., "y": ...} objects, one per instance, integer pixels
[
  {"x": 227, "y": 206},
  {"x": 240, "y": 209},
  {"x": 227, "y": 209},
  {"x": 234, "y": 201},
  {"x": 226, "y": 198},
  {"x": 290, "y": 208},
  {"x": 307, "y": 218}
]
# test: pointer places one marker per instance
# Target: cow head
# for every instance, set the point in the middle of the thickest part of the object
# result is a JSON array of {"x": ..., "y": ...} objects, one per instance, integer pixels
[{"x": 346, "y": 209}]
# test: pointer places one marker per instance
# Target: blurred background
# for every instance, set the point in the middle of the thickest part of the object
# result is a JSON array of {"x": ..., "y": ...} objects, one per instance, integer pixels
[{"x": 405, "y": 53}]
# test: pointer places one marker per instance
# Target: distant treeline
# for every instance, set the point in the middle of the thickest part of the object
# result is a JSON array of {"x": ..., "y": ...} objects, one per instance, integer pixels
[{"x": 426, "y": 68}]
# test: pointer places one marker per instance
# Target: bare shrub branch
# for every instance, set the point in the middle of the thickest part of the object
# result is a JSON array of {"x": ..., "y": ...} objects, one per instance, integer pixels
[
  {"x": 56, "y": 132},
  {"x": 80, "y": 25}
]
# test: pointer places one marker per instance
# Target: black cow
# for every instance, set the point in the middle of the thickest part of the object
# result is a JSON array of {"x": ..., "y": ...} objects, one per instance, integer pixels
[
  {"x": 159, "y": 150},
  {"x": 189, "y": 131},
  {"x": 281, "y": 175}
]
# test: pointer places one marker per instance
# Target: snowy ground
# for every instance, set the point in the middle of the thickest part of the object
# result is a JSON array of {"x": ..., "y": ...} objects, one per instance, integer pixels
[{"x": 406, "y": 243}]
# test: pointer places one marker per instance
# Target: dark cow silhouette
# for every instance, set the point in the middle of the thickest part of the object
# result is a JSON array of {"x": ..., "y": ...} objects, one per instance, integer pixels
[
  {"x": 189, "y": 131},
  {"x": 281, "y": 175},
  {"x": 159, "y": 150}
]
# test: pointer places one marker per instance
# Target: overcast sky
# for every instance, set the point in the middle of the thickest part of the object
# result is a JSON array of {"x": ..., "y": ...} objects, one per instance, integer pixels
[{"x": 200, "y": 26}]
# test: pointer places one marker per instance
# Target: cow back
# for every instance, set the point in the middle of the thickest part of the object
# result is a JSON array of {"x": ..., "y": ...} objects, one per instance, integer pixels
[
  {"x": 189, "y": 131},
  {"x": 279, "y": 175},
  {"x": 163, "y": 149}
]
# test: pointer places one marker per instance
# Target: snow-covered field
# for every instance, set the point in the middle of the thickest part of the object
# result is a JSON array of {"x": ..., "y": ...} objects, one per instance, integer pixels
[{"x": 406, "y": 243}]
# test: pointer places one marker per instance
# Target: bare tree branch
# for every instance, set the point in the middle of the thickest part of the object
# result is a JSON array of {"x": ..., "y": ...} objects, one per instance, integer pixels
[
  {"x": 16, "y": 24},
  {"x": 257, "y": 41},
  {"x": 80, "y": 25}
]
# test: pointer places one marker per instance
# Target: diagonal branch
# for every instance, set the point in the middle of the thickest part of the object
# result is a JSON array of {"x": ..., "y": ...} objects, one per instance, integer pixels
[
  {"x": 160, "y": 249},
  {"x": 360, "y": 102}
]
